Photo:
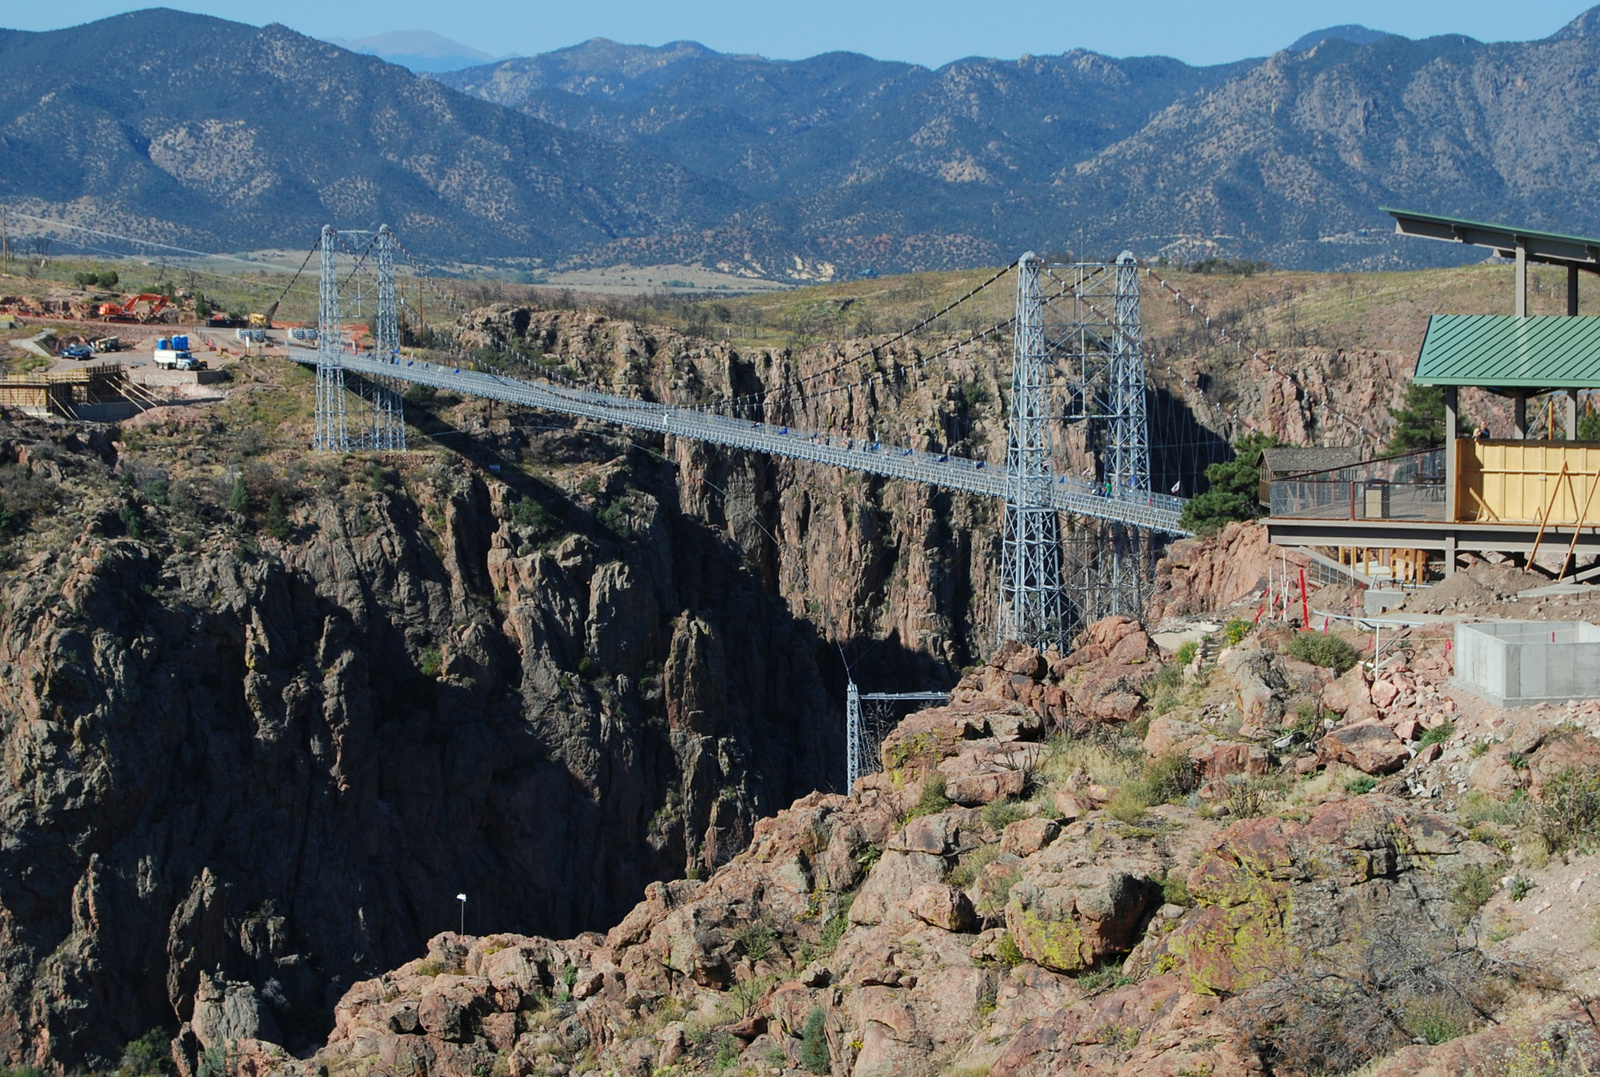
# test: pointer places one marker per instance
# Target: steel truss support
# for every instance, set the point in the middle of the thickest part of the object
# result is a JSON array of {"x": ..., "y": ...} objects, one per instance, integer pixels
[
  {"x": 1031, "y": 607},
  {"x": 867, "y": 718},
  {"x": 330, "y": 433},
  {"x": 388, "y": 405},
  {"x": 381, "y": 425}
]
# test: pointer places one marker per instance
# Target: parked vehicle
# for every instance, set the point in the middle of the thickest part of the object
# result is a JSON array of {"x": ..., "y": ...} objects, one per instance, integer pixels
[
  {"x": 77, "y": 351},
  {"x": 172, "y": 353},
  {"x": 130, "y": 311}
]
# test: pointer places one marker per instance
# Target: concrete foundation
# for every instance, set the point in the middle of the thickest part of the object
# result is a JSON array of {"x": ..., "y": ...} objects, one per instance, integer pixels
[{"x": 1520, "y": 663}]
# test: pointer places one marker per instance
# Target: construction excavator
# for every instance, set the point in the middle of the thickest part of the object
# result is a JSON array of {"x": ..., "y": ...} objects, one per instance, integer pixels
[
  {"x": 263, "y": 321},
  {"x": 130, "y": 312}
]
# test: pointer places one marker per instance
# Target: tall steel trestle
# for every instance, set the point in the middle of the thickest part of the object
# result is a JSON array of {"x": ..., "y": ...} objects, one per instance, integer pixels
[{"x": 380, "y": 423}]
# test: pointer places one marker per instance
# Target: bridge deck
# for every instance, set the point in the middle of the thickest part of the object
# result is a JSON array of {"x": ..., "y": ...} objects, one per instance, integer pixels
[{"x": 1156, "y": 512}]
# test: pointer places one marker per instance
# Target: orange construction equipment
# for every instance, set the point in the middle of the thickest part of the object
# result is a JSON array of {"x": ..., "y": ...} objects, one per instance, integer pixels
[{"x": 129, "y": 311}]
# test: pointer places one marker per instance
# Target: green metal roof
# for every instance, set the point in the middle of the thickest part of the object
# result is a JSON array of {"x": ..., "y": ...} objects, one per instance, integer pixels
[
  {"x": 1552, "y": 248},
  {"x": 1492, "y": 351}
]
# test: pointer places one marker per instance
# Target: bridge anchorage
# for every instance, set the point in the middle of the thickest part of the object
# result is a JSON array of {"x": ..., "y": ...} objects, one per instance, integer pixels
[{"x": 1077, "y": 371}]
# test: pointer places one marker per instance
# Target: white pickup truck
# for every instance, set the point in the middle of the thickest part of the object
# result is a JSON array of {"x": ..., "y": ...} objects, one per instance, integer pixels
[{"x": 172, "y": 353}]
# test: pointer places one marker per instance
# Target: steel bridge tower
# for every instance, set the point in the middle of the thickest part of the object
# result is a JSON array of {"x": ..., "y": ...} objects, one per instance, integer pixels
[
  {"x": 330, "y": 433},
  {"x": 1081, "y": 319},
  {"x": 1031, "y": 603},
  {"x": 381, "y": 423},
  {"x": 388, "y": 404}
]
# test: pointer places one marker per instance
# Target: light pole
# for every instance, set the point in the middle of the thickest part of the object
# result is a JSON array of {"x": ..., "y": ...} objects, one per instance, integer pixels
[{"x": 463, "y": 899}]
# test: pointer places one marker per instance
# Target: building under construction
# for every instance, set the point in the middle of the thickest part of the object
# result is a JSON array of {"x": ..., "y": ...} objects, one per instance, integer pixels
[{"x": 96, "y": 393}]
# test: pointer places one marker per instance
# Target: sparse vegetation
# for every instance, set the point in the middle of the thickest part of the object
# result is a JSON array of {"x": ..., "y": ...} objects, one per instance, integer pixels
[
  {"x": 1234, "y": 492},
  {"x": 931, "y": 799},
  {"x": 814, "y": 1054},
  {"x": 1323, "y": 649}
]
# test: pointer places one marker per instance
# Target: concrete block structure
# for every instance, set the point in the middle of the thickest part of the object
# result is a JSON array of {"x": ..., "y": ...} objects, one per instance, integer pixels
[{"x": 1521, "y": 663}]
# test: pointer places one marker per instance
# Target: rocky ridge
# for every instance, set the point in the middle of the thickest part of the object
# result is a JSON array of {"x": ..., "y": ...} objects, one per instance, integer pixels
[{"x": 1001, "y": 898}]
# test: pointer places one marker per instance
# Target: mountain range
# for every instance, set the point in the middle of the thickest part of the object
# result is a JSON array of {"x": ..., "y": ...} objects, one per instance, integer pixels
[
  {"x": 235, "y": 137},
  {"x": 419, "y": 50}
]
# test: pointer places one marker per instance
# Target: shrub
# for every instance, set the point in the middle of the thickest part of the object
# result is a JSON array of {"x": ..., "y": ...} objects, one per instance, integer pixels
[
  {"x": 239, "y": 498},
  {"x": 967, "y": 869},
  {"x": 277, "y": 517},
  {"x": 1175, "y": 891},
  {"x": 1245, "y": 798},
  {"x": 1323, "y": 649},
  {"x": 1002, "y": 813},
  {"x": 932, "y": 798},
  {"x": 109, "y": 278},
  {"x": 148, "y": 1056},
  {"x": 814, "y": 1054},
  {"x": 1006, "y": 951},
  {"x": 755, "y": 941},
  {"x": 1236, "y": 630},
  {"x": 1438, "y": 734},
  {"x": 1364, "y": 784},
  {"x": 615, "y": 518},
  {"x": 431, "y": 662},
  {"x": 531, "y": 514},
  {"x": 1570, "y": 810},
  {"x": 1474, "y": 887},
  {"x": 1186, "y": 652}
]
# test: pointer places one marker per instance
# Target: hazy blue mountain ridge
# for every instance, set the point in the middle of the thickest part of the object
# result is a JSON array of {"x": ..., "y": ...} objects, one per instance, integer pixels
[{"x": 235, "y": 137}]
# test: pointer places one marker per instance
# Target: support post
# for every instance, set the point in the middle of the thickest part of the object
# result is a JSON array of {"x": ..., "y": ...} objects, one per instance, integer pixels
[
  {"x": 1572, "y": 291},
  {"x": 1450, "y": 554},
  {"x": 1569, "y": 413},
  {"x": 852, "y": 727},
  {"x": 1522, "y": 280},
  {"x": 1451, "y": 409},
  {"x": 1519, "y": 417},
  {"x": 1031, "y": 606},
  {"x": 329, "y": 434},
  {"x": 389, "y": 406}
]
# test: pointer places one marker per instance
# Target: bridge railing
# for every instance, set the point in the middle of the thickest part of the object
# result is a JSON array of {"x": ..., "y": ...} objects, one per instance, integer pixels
[{"x": 1154, "y": 512}]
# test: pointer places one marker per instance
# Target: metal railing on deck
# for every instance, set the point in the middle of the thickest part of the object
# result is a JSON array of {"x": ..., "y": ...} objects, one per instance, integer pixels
[{"x": 1405, "y": 487}]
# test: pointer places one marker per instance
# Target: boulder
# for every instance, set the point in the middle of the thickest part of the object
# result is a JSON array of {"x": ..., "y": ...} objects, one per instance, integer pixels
[
  {"x": 1217, "y": 759},
  {"x": 942, "y": 906},
  {"x": 1068, "y": 806},
  {"x": 977, "y": 777},
  {"x": 891, "y": 883},
  {"x": 1076, "y": 917},
  {"x": 1349, "y": 696},
  {"x": 1027, "y": 836},
  {"x": 226, "y": 1010},
  {"x": 1371, "y": 747}
]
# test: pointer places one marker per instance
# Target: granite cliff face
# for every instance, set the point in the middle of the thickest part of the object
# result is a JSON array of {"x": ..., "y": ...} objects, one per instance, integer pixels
[{"x": 277, "y": 762}]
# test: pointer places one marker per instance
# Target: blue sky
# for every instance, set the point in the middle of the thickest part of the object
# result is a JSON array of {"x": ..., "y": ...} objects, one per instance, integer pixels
[{"x": 925, "y": 31}]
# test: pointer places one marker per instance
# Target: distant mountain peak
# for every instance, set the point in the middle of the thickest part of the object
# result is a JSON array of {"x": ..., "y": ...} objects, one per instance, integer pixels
[
  {"x": 1585, "y": 25},
  {"x": 1351, "y": 32},
  {"x": 420, "y": 50}
]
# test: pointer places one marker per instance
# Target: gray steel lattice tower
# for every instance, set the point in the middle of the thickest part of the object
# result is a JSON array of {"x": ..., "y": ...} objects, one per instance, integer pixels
[
  {"x": 388, "y": 405},
  {"x": 1129, "y": 447},
  {"x": 852, "y": 736},
  {"x": 330, "y": 433},
  {"x": 1032, "y": 609}
]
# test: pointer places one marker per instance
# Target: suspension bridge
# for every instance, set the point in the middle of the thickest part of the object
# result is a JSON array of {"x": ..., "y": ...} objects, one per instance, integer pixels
[{"x": 1079, "y": 319}]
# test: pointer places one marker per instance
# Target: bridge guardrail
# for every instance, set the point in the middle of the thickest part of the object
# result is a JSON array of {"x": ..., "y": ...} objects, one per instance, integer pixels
[{"x": 1155, "y": 512}]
